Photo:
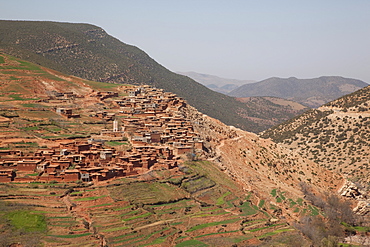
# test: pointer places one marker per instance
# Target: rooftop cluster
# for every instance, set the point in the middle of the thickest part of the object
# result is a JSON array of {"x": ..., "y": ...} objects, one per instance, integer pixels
[{"x": 147, "y": 119}]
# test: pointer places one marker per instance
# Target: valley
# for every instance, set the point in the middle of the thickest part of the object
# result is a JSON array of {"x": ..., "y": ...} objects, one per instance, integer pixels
[{"x": 91, "y": 163}]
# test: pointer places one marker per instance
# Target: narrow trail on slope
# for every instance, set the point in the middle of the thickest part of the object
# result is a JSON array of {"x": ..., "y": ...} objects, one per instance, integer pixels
[
  {"x": 229, "y": 169},
  {"x": 219, "y": 146}
]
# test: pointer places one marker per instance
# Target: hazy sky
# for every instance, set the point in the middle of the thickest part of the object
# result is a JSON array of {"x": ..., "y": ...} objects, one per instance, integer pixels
[{"x": 241, "y": 39}]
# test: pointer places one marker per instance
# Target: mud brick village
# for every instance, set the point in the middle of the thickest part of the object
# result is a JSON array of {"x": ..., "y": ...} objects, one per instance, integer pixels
[{"x": 146, "y": 119}]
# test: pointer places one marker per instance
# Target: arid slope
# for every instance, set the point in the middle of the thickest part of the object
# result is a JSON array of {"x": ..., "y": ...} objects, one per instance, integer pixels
[{"x": 335, "y": 136}]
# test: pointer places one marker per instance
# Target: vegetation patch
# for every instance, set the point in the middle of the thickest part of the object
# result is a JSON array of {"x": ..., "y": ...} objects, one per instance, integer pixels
[
  {"x": 261, "y": 203},
  {"x": 116, "y": 229},
  {"x": 101, "y": 205},
  {"x": 220, "y": 200},
  {"x": 71, "y": 235},
  {"x": 115, "y": 143},
  {"x": 101, "y": 85},
  {"x": 201, "y": 226},
  {"x": 247, "y": 208},
  {"x": 265, "y": 227},
  {"x": 193, "y": 243},
  {"x": 193, "y": 185},
  {"x": 138, "y": 216},
  {"x": 18, "y": 97},
  {"x": 215, "y": 233},
  {"x": 147, "y": 193},
  {"x": 275, "y": 232},
  {"x": 89, "y": 198},
  {"x": 27, "y": 221},
  {"x": 273, "y": 192}
]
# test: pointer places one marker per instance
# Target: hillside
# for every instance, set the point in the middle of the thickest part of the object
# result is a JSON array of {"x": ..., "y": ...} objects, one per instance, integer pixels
[
  {"x": 88, "y": 52},
  {"x": 310, "y": 92},
  {"x": 218, "y": 84},
  {"x": 237, "y": 189},
  {"x": 270, "y": 111},
  {"x": 336, "y": 135}
]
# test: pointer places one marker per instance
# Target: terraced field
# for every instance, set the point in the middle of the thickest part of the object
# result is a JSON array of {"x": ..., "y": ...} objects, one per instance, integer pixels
[{"x": 168, "y": 211}]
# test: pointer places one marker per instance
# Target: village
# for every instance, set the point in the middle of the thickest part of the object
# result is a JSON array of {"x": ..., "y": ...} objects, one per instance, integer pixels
[{"x": 158, "y": 137}]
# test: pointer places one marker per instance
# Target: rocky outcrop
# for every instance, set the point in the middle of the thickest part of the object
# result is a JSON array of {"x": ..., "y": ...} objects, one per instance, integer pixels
[
  {"x": 362, "y": 208},
  {"x": 352, "y": 191}
]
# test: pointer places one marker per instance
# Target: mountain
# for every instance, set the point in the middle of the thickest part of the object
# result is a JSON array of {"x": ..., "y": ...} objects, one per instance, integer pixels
[
  {"x": 238, "y": 189},
  {"x": 336, "y": 135},
  {"x": 263, "y": 111},
  {"x": 270, "y": 111},
  {"x": 310, "y": 92},
  {"x": 218, "y": 84},
  {"x": 87, "y": 51}
]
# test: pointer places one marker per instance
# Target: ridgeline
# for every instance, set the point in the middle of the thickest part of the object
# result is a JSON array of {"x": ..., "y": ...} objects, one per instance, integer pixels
[{"x": 87, "y": 51}]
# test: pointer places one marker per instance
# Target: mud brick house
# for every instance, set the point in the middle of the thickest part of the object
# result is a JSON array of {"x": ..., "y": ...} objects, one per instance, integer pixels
[
  {"x": 63, "y": 164},
  {"x": 179, "y": 150},
  {"x": 10, "y": 153},
  {"x": 44, "y": 153},
  {"x": 71, "y": 175},
  {"x": 52, "y": 168},
  {"x": 106, "y": 154},
  {"x": 28, "y": 165},
  {"x": 82, "y": 147},
  {"x": 6, "y": 175},
  {"x": 42, "y": 167},
  {"x": 104, "y": 95}
]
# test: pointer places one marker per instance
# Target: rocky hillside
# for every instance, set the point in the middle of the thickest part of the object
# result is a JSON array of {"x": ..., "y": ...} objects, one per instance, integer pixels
[
  {"x": 336, "y": 135},
  {"x": 87, "y": 51},
  {"x": 310, "y": 92},
  {"x": 270, "y": 111},
  {"x": 259, "y": 164}
]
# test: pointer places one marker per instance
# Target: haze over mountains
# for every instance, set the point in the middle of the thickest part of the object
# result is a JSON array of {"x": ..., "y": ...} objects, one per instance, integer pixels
[
  {"x": 310, "y": 92},
  {"x": 218, "y": 84}
]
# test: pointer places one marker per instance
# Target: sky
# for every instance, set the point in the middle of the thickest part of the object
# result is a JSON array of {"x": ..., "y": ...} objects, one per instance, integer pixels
[{"x": 237, "y": 39}]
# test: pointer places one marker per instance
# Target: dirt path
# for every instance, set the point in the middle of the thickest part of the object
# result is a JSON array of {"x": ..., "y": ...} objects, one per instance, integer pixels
[
  {"x": 218, "y": 150},
  {"x": 154, "y": 224}
]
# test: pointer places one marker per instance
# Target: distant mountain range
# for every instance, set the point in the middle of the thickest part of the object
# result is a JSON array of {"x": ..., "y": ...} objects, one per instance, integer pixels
[
  {"x": 310, "y": 92},
  {"x": 218, "y": 84}
]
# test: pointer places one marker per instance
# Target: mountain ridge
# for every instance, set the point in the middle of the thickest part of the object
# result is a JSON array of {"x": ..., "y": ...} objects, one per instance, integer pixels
[
  {"x": 311, "y": 92},
  {"x": 87, "y": 51}
]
